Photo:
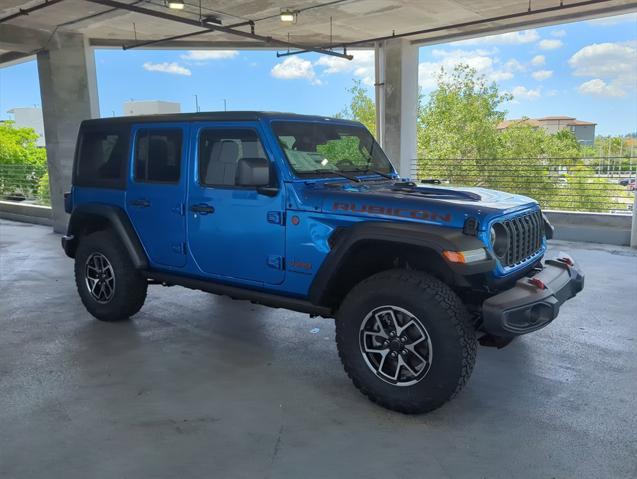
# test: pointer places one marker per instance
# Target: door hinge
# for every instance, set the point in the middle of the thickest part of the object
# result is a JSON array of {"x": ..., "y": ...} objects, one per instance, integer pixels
[
  {"x": 276, "y": 261},
  {"x": 179, "y": 209},
  {"x": 179, "y": 248},
  {"x": 276, "y": 217}
]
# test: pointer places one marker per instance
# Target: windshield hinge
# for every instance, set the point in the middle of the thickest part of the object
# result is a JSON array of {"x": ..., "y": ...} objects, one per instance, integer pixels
[{"x": 276, "y": 217}]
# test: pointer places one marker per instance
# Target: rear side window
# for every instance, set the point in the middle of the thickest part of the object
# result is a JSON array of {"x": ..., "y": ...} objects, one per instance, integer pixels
[
  {"x": 102, "y": 158},
  {"x": 158, "y": 155},
  {"x": 220, "y": 151}
]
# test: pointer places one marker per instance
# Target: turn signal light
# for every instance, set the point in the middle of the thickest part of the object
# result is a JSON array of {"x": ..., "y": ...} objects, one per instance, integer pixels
[
  {"x": 454, "y": 256},
  {"x": 465, "y": 256}
]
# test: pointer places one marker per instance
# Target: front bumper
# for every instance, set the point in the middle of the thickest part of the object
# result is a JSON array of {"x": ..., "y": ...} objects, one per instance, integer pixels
[{"x": 534, "y": 301}]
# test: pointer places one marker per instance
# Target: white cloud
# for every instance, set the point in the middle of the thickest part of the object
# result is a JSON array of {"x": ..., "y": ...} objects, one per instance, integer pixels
[
  {"x": 610, "y": 21},
  {"x": 523, "y": 93},
  {"x": 538, "y": 60},
  {"x": 172, "y": 68},
  {"x": 203, "y": 55},
  {"x": 511, "y": 38},
  {"x": 599, "y": 87},
  {"x": 611, "y": 66},
  {"x": 552, "y": 93},
  {"x": 480, "y": 52},
  {"x": 361, "y": 66},
  {"x": 514, "y": 65},
  {"x": 550, "y": 44},
  {"x": 541, "y": 75},
  {"x": 293, "y": 68},
  {"x": 480, "y": 60},
  {"x": 605, "y": 60},
  {"x": 558, "y": 33}
]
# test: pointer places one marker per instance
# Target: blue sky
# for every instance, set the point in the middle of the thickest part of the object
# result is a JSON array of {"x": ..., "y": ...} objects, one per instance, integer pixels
[{"x": 586, "y": 70}]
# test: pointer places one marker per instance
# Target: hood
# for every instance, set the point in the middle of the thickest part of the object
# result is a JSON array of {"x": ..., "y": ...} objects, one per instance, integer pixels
[{"x": 434, "y": 204}]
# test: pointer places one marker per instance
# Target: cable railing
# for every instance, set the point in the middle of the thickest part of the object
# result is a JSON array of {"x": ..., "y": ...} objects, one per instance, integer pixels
[
  {"x": 605, "y": 185},
  {"x": 24, "y": 183},
  {"x": 589, "y": 185}
]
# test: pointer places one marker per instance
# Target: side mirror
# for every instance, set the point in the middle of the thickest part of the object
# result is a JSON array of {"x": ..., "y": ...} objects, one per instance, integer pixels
[{"x": 255, "y": 172}]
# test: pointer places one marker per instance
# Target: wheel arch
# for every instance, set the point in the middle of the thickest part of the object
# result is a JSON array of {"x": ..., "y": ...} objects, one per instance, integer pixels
[
  {"x": 370, "y": 247},
  {"x": 88, "y": 218}
]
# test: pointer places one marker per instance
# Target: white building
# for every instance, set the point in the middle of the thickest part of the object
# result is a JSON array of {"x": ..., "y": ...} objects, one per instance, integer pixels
[
  {"x": 150, "y": 107},
  {"x": 30, "y": 117},
  {"x": 584, "y": 131}
]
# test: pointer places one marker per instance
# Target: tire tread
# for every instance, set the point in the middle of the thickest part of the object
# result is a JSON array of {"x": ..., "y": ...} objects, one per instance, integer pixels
[{"x": 456, "y": 313}]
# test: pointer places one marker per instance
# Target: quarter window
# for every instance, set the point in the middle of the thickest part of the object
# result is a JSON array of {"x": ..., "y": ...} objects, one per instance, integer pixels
[
  {"x": 102, "y": 158},
  {"x": 220, "y": 151},
  {"x": 158, "y": 155}
]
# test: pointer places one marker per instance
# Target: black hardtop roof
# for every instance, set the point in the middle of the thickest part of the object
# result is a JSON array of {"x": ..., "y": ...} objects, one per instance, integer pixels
[{"x": 210, "y": 116}]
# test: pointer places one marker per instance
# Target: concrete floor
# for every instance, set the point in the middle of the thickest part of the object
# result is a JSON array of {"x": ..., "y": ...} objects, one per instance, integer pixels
[{"x": 201, "y": 386}]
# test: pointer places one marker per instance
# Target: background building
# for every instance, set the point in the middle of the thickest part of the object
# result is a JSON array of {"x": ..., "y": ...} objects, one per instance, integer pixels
[
  {"x": 30, "y": 117},
  {"x": 584, "y": 131},
  {"x": 150, "y": 107}
]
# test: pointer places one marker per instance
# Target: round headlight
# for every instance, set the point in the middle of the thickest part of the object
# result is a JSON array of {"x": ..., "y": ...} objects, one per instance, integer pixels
[{"x": 499, "y": 239}]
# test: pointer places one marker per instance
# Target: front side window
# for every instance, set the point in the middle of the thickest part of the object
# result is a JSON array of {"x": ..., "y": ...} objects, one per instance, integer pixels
[
  {"x": 158, "y": 155},
  {"x": 220, "y": 151},
  {"x": 319, "y": 148}
]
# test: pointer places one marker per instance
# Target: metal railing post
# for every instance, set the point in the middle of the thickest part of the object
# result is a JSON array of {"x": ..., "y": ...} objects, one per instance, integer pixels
[{"x": 633, "y": 230}]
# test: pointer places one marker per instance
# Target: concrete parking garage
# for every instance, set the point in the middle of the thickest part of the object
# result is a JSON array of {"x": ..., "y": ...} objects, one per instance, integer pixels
[{"x": 203, "y": 386}]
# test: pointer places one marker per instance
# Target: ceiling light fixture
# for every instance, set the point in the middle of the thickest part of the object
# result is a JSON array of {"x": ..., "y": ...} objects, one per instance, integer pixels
[
  {"x": 288, "y": 16},
  {"x": 176, "y": 4}
]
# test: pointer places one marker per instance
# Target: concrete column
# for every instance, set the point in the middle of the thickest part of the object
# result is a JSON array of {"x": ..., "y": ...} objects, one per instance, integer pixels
[
  {"x": 68, "y": 87},
  {"x": 399, "y": 78}
]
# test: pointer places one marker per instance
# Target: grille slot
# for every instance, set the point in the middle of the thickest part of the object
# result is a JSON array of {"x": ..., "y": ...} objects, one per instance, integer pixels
[{"x": 525, "y": 237}]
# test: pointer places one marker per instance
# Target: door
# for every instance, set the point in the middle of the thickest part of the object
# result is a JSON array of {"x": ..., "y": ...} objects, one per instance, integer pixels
[
  {"x": 234, "y": 232},
  {"x": 156, "y": 195}
]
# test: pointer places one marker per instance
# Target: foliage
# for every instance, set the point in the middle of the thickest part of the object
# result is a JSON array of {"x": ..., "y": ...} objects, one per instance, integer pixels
[
  {"x": 361, "y": 107},
  {"x": 617, "y": 146},
  {"x": 460, "y": 118},
  {"x": 459, "y": 142},
  {"x": 18, "y": 146},
  {"x": 44, "y": 192},
  {"x": 22, "y": 162}
]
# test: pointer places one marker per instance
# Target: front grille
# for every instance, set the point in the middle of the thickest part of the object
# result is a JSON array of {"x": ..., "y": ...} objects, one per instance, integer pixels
[{"x": 525, "y": 237}]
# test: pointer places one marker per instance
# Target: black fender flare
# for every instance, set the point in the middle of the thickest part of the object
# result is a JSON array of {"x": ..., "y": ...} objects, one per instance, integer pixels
[
  {"x": 119, "y": 223},
  {"x": 435, "y": 238}
]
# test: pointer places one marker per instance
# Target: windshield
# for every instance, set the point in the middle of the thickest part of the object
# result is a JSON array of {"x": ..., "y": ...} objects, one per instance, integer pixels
[{"x": 320, "y": 148}]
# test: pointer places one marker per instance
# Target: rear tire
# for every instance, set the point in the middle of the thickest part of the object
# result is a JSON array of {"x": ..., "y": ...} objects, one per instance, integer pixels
[
  {"x": 109, "y": 286},
  {"x": 405, "y": 340}
]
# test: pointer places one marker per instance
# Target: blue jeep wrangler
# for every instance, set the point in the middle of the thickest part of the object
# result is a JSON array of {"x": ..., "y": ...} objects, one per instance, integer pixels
[{"x": 307, "y": 213}]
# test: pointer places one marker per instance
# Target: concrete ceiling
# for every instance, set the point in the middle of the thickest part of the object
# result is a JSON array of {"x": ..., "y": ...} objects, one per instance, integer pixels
[{"x": 352, "y": 21}]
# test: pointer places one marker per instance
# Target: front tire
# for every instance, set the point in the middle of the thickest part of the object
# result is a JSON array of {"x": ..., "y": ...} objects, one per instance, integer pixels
[
  {"x": 405, "y": 340},
  {"x": 109, "y": 285}
]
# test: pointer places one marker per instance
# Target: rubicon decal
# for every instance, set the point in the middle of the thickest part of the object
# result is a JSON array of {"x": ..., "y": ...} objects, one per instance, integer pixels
[{"x": 389, "y": 211}]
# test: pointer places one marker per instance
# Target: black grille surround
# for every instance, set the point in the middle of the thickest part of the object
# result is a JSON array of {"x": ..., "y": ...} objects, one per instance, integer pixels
[{"x": 525, "y": 233}]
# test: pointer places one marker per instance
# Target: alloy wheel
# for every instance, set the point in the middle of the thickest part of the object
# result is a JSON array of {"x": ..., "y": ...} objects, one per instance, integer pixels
[
  {"x": 395, "y": 345},
  {"x": 100, "y": 278}
]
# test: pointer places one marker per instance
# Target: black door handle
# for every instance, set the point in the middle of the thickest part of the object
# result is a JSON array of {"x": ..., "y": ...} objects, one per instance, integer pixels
[
  {"x": 202, "y": 209},
  {"x": 140, "y": 203}
]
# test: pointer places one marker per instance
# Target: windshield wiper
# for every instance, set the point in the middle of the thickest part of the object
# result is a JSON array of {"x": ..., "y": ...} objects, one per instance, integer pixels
[
  {"x": 335, "y": 172},
  {"x": 367, "y": 170},
  {"x": 380, "y": 173}
]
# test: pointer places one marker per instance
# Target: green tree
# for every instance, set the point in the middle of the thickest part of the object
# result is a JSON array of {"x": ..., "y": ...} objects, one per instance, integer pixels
[
  {"x": 460, "y": 118},
  {"x": 459, "y": 142},
  {"x": 18, "y": 146},
  {"x": 361, "y": 108},
  {"x": 22, "y": 163}
]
